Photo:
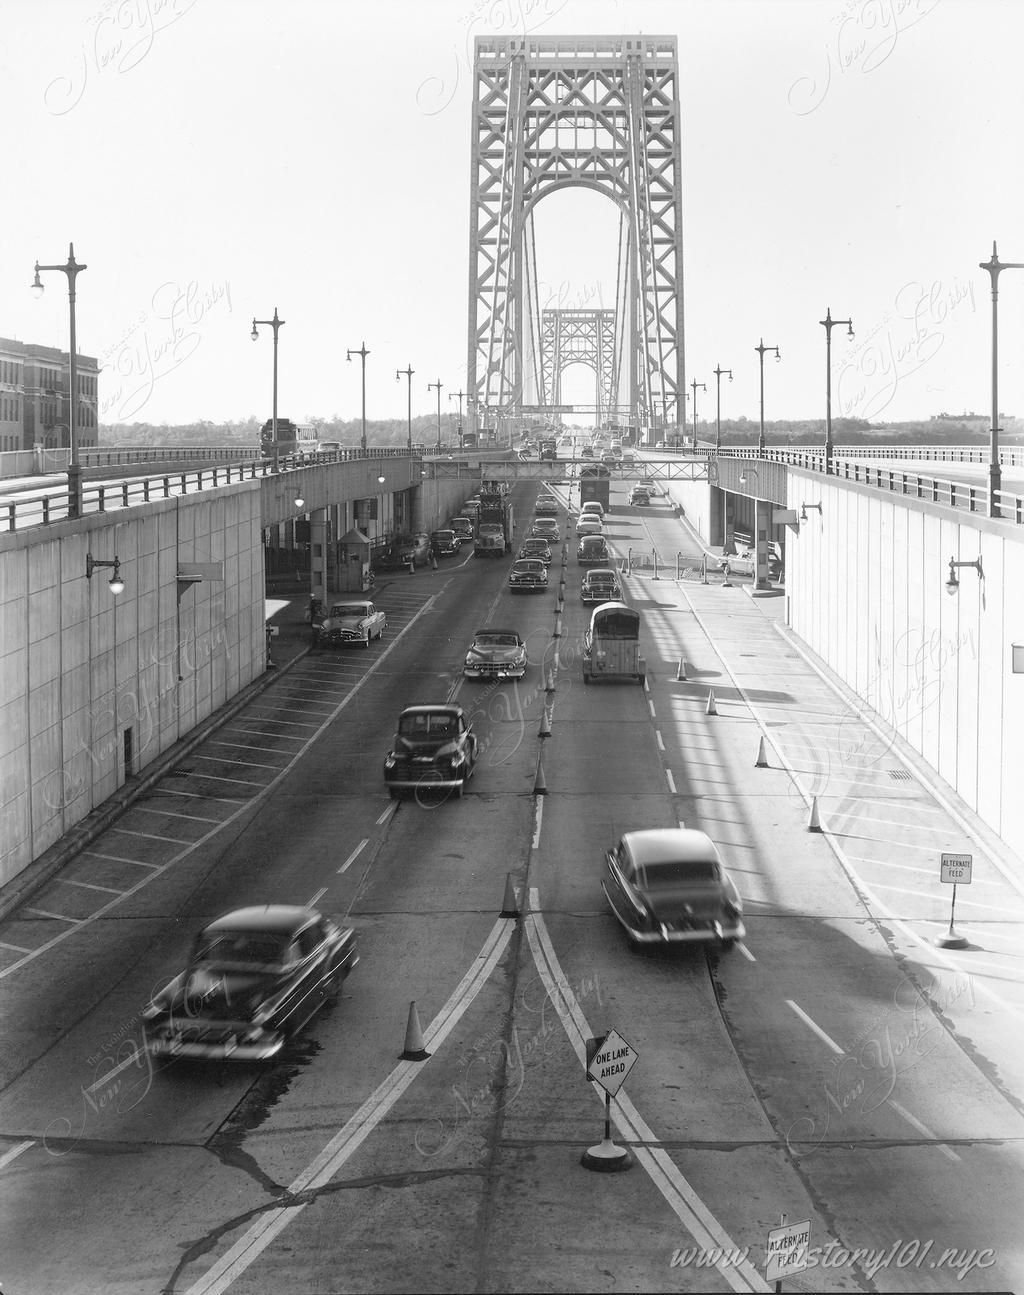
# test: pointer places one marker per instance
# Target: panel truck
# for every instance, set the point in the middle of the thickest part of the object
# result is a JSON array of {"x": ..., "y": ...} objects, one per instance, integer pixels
[
  {"x": 547, "y": 448},
  {"x": 493, "y": 525},
  {"x": 594, "y": 488}
]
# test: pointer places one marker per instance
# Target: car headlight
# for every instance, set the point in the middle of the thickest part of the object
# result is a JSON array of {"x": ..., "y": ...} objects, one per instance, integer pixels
[
  {"x": 152, "y": 1010},
  {"x": 389, "y": 761},
  {"x": 457, "y": 758}
]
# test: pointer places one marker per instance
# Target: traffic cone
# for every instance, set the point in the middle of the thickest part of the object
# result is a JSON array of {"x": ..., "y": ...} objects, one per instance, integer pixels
[
  {"x": 726, "y": 582},
  {"x": 813, "y": 821},
  {"x": 681, "y": 671},
  {"x": 545, "y": 724},
  {"x": 711, "y": 708},
  {"x": 414, "y": 1049},
  {"x": 540, "y": 787},
  {"x": 510, "y": 905},
  {"x": 550, "y": 687},
  {"x": 433, "y": 560},
  {"x": 762, "y": 756},
  {"x": 558, "y": 627}
]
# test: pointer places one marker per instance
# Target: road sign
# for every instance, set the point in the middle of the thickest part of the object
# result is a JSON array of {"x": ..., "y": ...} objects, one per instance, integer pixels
[
  {"x": 611, "y": 1063},
  {"x": 787, "y": 1251},
  {"x": 547, "y": 409},
  {"x": 956, "y": 869}
]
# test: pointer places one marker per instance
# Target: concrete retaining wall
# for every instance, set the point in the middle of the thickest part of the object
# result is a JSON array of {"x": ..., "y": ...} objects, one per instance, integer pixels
[
  {"x": 81, "y": 668},
  {"x": 866, "y": 589}
]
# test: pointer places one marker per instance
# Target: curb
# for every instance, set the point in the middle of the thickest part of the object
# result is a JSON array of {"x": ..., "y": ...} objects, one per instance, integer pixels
[{"x": 51, "y": 861}]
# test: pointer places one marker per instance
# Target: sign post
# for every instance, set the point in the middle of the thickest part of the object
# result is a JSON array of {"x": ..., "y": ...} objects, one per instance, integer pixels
[
  {"x": 786, "y": 1252},
  {"x": 954, "y": 869},
  {"x": 609, "y": 1061}
]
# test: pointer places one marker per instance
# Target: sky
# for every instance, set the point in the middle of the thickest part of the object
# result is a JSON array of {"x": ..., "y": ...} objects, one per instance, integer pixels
[{"x": 212, "y": 160}]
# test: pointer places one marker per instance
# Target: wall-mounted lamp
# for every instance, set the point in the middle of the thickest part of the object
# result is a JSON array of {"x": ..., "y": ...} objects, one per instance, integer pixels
[
  {"x": 116, "y": 583},
  {"x": 953, "y": 584},
  {"x": 299, "y": 501},
  {"x": 381, "y": 478},
  {"x": 804, "y": 508}
]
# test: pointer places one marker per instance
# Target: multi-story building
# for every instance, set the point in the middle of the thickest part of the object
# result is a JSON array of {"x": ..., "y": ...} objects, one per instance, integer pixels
[{"x": 35, "y": 384}]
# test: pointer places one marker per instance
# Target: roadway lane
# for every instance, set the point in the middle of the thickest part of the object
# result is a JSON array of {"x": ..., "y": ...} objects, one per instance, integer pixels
[{"x": 341, "y": 1168}]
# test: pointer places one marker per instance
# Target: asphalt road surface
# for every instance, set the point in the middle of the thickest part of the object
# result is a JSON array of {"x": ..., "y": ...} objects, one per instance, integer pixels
[{"x": 831, "y": 1068}]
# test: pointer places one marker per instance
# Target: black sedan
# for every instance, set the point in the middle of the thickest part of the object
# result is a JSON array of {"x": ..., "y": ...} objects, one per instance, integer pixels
[
  {"x": 435, "y": 748},
  {"x": 536, "y": 547},
  {"x": 254, "y": 977},
  {"x": 593, "y": 551},
  {"x": 669, "y": 886},
  {"x": 528, "y": 575}
]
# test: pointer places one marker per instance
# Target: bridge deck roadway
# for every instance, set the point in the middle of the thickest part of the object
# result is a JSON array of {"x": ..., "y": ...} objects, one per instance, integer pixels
[{"x": 836, "y": 1067}]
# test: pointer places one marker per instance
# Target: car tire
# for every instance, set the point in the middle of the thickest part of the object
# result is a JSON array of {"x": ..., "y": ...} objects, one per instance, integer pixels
[
  {"x": 641, "y": 679},
  {"x": 726, "y": 945},
  {"x": 586, "y": 677},
  {"x": 365, "y": 643}
]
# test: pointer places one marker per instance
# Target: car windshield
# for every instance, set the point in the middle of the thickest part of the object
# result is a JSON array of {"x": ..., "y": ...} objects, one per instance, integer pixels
[
  {"x": 242, "y": 948},
  {"x": 497, "y": 640},
  {"x": 427, "y": 725},
  {"x": 696, "y": 874},
  {"x": 529, "y": 564},
  {"x": 349, "y": 609}
]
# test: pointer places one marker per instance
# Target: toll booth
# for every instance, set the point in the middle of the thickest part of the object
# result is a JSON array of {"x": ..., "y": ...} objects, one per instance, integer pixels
[{"x": 354, "y": 562}]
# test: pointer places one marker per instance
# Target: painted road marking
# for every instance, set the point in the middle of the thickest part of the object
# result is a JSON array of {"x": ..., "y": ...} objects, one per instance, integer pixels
[
  {"x": 172, "y": 813},
  {"x": 56, "y": 917},
  {"x": 352, "y": 857},
  {"x": 86, "y": 885},
  {"x": 684, "y": 1202},
  {"x": 117, "y": 858},
  {"x": 538, "y": 815},
  {"x": 831, "y": 1043},
  {"x": 660, "y": 739},
  {"x": 387, "y": 814},
  {"x": 923, "y": 1129},
  {"x": 348, "y": 1140},
  {"x": 312, "y": 903},
  {"x": 671, "y": 781},
  {"x": 15, "y": 1151},
  {"x": 745, "y": 951}
]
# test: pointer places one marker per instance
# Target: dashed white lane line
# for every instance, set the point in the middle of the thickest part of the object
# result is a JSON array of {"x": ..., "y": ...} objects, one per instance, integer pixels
[
  {"x": 671, "y": 781},
  {"x": 350, "y": 1138},
  {"x": 354, "y": 855},
  {"x": 15, "y": 1151},
  {"x": 650, "y": 705},
  {"x": 745, "y": 951},
  {"x": 538, "y": 816},
  {"x": 660, "y": 739},
  {"x": 315, "y": 899},
  {"x": 923, "y": 1129},
  {"x": 383, "y": 818},
  {"x": 815, "y": 1028}
]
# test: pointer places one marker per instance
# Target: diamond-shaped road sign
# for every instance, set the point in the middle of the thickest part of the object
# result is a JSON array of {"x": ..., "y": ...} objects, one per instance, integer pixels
[{"x": 611, "y": 1063}]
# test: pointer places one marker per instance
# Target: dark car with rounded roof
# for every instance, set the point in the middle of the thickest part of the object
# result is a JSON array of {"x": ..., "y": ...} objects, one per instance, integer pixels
[
  {"x": 528, "y": 575},
  {"x": 592, "y": 549},
  {"x": 253, "y": 978},
  {"x": 536, "y": 546},
  {"x": 435, "y": 748},
  {"x": 496, "y": 654},
  {"x": 669, "y": 886},
  {"x": 600, "y": 585}
]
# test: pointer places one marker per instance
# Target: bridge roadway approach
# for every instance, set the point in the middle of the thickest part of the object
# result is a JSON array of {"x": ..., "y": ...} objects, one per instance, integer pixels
[{"x": 835, "y": 1067}]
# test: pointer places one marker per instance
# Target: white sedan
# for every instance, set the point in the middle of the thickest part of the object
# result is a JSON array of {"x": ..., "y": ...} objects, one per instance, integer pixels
[
  {"x": 589, "y": 525},
  {"x": 351, "y": 622}
]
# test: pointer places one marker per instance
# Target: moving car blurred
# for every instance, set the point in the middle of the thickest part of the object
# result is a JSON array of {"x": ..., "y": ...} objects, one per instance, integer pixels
[
  {"x": 435, "y": 748},
  {"x": 600, "y": 584},
  {"x": 350, "y": 622},
  {"x": 528, "y": 575},
  {"x": 669, "y": 886},
  {"x": 496, "y": 654},
  {"x": 253, "y": 978}
]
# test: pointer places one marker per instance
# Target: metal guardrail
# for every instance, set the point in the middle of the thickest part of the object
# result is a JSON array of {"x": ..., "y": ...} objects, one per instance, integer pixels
[{"x": 101, "y": 496}]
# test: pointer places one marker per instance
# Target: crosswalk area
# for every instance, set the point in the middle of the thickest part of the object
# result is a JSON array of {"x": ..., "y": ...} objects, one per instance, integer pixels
[{"x": 221, "y": 779}]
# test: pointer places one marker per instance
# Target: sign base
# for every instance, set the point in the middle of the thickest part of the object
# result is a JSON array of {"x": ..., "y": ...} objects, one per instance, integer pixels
[
  {"x": 607, "y": 1158},
  {"x": 950, "y": 940}
]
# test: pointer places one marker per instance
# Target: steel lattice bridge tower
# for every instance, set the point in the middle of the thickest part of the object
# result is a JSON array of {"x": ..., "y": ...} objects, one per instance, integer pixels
[
  {"x": 580, "y": 337},
  {"x": 601, "y": 112}
]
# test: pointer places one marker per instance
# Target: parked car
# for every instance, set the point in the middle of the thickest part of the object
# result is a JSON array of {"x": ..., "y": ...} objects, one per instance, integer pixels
[
  {"x": 350, "y": 622},
  {"x": 528, "y": 575},
  {"x": 600, "y": 584},
  {"x": 496, "y": 654},
  {"x": 593, "y": 508},
  {"x": 253, "y": 978},
  {"x": 639, "y": 497},
  {"x": 592, "y": 549},
  {"x": 463, "y": 528},
  {"x": 536, "y": 547},
  {"x": 435, "y": 748},
  {"x": 588, "y": 524},
  {"x": 546, "y": 506},
  {"x": 669, "y": 886},
  {"x": 544, "y": 528},
  {"x": 446, "y": 542}
]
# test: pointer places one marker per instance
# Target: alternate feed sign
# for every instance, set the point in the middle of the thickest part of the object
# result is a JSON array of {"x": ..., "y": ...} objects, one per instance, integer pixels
[
  {"x": 611, "y": 1062},
  {"x": 787, "y": 1251}
]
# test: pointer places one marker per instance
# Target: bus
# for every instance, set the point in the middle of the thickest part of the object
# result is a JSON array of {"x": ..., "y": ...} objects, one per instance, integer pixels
[{"x": 292, "y": 438}]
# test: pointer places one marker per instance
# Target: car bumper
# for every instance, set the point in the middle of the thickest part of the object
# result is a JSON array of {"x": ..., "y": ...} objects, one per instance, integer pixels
[
  {"x": 494, "y": 672},
  {"x": 665, "y": 933},
  {"x": 519, "y": 588},
  {"x": 610, "y": 597},
  {"x": 423, "y": 781},
  {"x": 219, "y": 1048},
  {"x": 342, "y": 640}
]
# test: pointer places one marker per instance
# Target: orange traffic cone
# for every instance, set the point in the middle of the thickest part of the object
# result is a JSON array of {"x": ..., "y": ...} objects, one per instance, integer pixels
[
  {"x": 681, "y": 671},
  {"x": 540, "y": 787},
  {"x": 414, "y": 1049},
  {"x": 762, "y": 756},
  {"x": 510, "y": 905},
  {"x": 813, "y": 821},
  {"x": 551, "y": 682},
  {"x": 545, "y": 725},
  {"x": 711, "y": 708}
]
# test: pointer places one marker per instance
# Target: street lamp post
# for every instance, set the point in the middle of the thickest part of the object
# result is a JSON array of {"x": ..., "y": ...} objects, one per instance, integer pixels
[
  {"x": 362, "y": 353},
  {"x": 995, "y": 472},
  {"x": 452, "y": 395},
  {"x": 430, "y": 386},
  {"x": 760, "y": 348},
  {"x": 72, "y": 269},
  {"x": 718, "y": 404},
  {"x": 693, "y": 387},
  {"x": 275, "y": 324},
  {"x": 828, "y": 323},
  {"x": 408, "y": 371}
]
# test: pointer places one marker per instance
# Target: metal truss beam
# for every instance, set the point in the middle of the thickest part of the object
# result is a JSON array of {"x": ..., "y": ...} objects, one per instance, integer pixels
[
  {"x": 600, "y": 112},
  {"x": 580, "y": 337}
]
